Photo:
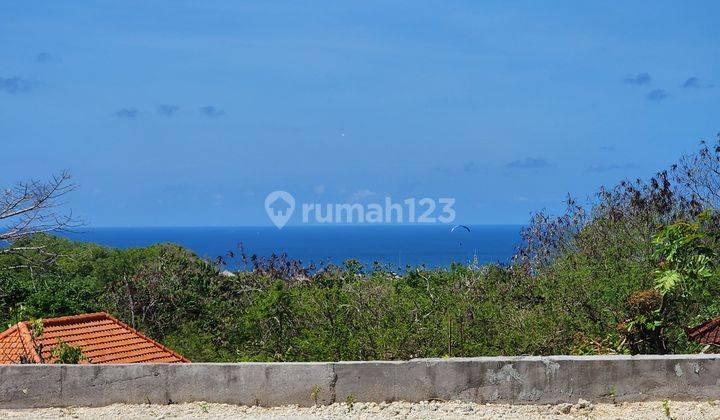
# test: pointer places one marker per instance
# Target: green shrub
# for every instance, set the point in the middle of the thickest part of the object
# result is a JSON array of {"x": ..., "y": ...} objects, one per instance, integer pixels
[{"x": 66, "y": 354}]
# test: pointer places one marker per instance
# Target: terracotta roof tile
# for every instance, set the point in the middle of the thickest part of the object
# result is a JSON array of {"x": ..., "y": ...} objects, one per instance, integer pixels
[
  {"x": 706, "y": 333},
  {"x": 100, "y": 337}
]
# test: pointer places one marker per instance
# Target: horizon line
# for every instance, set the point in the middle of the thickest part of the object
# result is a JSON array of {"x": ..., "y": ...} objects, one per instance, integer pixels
[{"x": 329, "y": 225}]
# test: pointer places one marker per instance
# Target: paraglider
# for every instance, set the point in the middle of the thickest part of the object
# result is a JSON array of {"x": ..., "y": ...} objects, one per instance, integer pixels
[{"x": 459, "y": 227}]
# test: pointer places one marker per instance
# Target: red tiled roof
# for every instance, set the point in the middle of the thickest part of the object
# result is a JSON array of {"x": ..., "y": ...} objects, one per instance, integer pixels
[
  {"x": 102, "y": 339},
  {"x": 706, "y": 333}
]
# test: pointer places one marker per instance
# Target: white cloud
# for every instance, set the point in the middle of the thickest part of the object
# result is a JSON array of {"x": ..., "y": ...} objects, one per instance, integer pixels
[{"x": 362, "y": 195}]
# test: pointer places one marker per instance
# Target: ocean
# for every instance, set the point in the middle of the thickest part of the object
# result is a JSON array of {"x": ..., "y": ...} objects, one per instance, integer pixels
[{"x": 392, "y": 245}]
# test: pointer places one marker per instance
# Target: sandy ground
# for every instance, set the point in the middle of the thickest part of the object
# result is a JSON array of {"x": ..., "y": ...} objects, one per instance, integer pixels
[{"x": 423, "y": 410}]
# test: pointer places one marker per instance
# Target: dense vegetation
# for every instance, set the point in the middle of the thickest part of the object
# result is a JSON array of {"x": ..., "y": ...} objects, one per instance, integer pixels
[{"x": 625, "y": 273}]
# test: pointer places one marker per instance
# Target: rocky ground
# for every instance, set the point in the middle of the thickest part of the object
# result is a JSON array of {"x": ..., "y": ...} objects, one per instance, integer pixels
[{"x": 396, "y": 410}]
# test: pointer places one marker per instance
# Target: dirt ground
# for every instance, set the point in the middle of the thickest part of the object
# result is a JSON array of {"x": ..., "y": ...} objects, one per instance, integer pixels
[{"x": 396, "y": 410}]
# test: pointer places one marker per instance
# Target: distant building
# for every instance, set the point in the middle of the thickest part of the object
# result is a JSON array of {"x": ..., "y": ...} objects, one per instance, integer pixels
[
  {"x": 102, "y": 339},
  {"x": 706, "y": 333}
]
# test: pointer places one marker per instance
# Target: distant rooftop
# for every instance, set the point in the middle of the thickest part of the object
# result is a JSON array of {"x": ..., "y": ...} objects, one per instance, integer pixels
[
  {"x": 102, "y": 339},
  {"x": 706, "y": 333}
]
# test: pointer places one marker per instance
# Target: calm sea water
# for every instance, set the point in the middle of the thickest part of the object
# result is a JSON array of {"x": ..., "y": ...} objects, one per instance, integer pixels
[{"x": 397, "y": 246}]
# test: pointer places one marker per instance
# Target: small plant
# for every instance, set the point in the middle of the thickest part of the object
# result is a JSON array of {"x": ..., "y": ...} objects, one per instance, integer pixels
[
  {"x": 666, "y": 409},
  {"x": 204, "y": 407},
  {"x": 66, "y": 354},
  {"x": 36, "y": 328},
  {"x": 315, "y": 393},
  {"x": 350, "y": 401}
]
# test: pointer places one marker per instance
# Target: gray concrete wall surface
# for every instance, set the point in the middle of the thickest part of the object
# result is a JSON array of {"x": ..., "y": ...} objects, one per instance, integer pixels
[{"x": 520, "y": 380}]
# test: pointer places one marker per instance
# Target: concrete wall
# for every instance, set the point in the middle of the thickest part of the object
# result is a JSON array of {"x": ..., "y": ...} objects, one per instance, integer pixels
[{"x": 521, "y": 380}]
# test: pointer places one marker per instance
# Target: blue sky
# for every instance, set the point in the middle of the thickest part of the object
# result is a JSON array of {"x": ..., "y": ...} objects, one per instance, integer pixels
[{"x": 189, "y": 113}]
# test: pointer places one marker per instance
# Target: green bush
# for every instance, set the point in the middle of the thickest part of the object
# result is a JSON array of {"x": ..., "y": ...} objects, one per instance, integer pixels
[{"x": 66, "y": 354}]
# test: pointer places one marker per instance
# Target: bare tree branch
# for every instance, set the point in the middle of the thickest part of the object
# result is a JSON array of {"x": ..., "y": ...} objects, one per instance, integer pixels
[
  {"x": 699, "y": 174},
  {"x": 31, "y": 207}
]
